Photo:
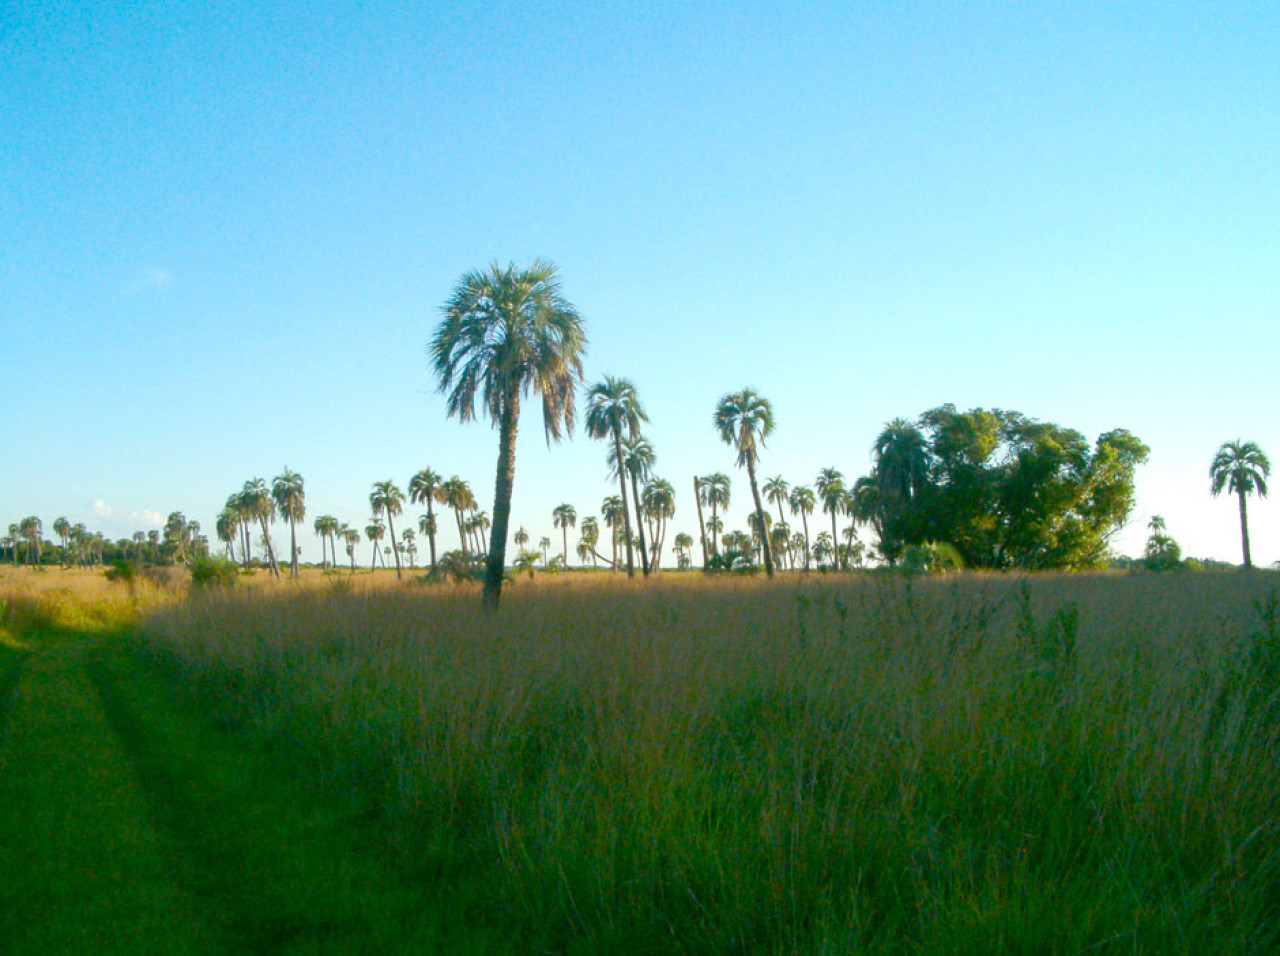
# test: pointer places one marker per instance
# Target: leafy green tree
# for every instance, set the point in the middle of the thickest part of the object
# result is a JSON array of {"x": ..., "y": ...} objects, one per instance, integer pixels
[
  {"x": 1242, "y": 468},
  {"x": 506, "y": 333},
  {"x": 1162, "y": 553},
  {"x": 290, "y": 497},
  {"x": 564, "y": 517},
  {"x": 388, "y": 499},
  {"x": 802, "y": 502},
  {"x": 744, "y": 420},
  {"x": 426, "y": 487},
  {"x": 613, "y": 408}
]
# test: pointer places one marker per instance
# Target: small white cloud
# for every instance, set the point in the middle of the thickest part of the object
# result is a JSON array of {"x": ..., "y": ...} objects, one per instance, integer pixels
[
  {"x": 102, "y": 509},
  {"x": 150, "y": 518},
  {"x": 151, "y": 279}
]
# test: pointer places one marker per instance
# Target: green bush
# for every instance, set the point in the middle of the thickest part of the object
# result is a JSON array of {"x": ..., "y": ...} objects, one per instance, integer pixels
[{"x": 212, "y": 572}]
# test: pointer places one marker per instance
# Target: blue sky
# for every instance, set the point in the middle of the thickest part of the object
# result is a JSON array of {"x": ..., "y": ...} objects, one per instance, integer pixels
[{"x": 228, "y": 232}]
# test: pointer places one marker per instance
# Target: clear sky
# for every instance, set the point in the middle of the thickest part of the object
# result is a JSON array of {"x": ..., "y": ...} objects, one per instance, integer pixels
[{"x": 228, "y": 230}]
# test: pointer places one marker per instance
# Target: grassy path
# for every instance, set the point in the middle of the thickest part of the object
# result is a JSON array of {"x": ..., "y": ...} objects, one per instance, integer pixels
[{"x": 129, "y": 824}]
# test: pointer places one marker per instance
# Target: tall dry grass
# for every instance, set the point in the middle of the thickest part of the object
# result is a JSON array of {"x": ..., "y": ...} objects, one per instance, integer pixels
[{"x": 875, "y": 764}]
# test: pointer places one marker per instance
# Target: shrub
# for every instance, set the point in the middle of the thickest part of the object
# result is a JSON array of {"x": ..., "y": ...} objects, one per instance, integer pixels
[{"x": 213, "y": 572}]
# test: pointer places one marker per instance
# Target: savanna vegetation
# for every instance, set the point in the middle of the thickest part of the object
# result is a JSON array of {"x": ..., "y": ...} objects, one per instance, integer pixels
[{"x": 841, "y": 763}]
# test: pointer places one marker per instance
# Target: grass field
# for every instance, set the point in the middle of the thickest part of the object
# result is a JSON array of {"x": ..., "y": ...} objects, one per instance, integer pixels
[{"x": 830, "y": 764}]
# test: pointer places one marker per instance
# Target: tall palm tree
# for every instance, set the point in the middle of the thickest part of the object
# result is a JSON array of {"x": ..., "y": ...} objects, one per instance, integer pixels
[
  {"x": 614, "y": 512},
  {"x": 744, "y": 420},
  {"x": 506, "y": 333},
  {"x": 426, "y": 488},
  {"x": 62, "y": 528},
  {"x": 776, "y": 491},
  {"x": 351, "y": 538},
  {"x": 387, "y": 499},
  {"x": 716, "y": 490},
  {"x": 31, "y": 528},
  {"x": 259, "y": 504},
  {"x": 613, "y": 408},
  {"x": 683, "y": 544},
  {"x": 290, "y": 498},
  {"x": 564, "y": 517},
  {"x": 802, "y": 502},
  {"x": 831, "y": 490},
  {"x": 521, "y": 537},
  {"x": 545, "y": 544},
  {"x": 1243, "y": 468},
  {"x": 638, "y": 458},
  {"x": 410, "y": 545}
]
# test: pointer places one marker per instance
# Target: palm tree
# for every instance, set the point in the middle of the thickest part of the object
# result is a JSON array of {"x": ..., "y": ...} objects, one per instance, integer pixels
[
  {"x": 227, "y": 527},
  {"x": 716, "y": 493},
  {"x": 375, "y": 531},
  {"x": 521, "y": 537},
  {"x": 545, "y": 544},
  {"x": 387, "y": 498},
  {"x": 426, "y": 488},
  {"x": 612, "y": 408},
  {"x": 744, "y": 420},
  {"x": 351, "y": 537},
  {"x": 62, "y": 528},
  {"x": 638, "y": 458},
  {"x": 683, "y": 544},
  {"x": 30, "y": 528},
  {"x": 776, "y": 490},
  {"x": 456, "y": 493},
  {"x": 659, "y": 501},
  {"x": 823, "y": 547},
  {"x": 410, "y": 546},
  {"x": 326, "y": 526},
  {"x": 702, "y": 525},
  {"x": 831, "y": 490},
  {"x": 590, "y": 529},
  {"x": 259, "y": 504},
  {"x": 508, "y": 332},
  {"x": 564, "y": 517},
  {"x": 1240, "y": 467},
  {"x": 290, "y": 499},
  {"x": 614, "y": 513},
  {"x": 802, "y": 502}
]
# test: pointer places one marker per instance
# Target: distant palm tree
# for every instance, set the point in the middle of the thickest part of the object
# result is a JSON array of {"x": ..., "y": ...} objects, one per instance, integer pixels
[
  {"x": 375, "y": 531},
  {"x": 521, "y": 537},
  {"x": 1243, "y": 468},
  {"x": 613, "y": 408},
  {"x": 227, "y": 528},
  {"x": 802, "y": 502},
  {"x": 823, "y": 548},
  {"x": 30, "y": 529},
  {"x": 290, "y": 499},
  {"x": 410, "y": 546},
  {"x": 831, "y": 490},
  {"x": 614, "y": 512},
  {"x": 716, "y": 490},
  {"x": 638, "y": 457},
  {"x": 776, "y": 491},
  {"x": 590, "y": 530},
  {"x": 326, "y": 526},
  {"x": 62, "y": 528},
  {"x": 744, "y": 420},
  {"x": 387, "y": 499},
  {"x": 564, "y": 517},
  {"x": 683, "y": 544},
  {"x": 545, "y": 544},
  {"x": 456, "y": 493},
  {"x": 659, "y": 502},
  {"x": 259, "y": 504},
  {"x": 702, "y": 525},
  {"x": 584, "y": 551},
  {"x": 351, "y": 537},
  {"x": 508, "y": 332},
  {"x": 426, "y": 487}
]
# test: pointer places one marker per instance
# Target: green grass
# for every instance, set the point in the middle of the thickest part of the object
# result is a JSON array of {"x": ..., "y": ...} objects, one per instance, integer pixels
[{"x": 976, "y": 764}]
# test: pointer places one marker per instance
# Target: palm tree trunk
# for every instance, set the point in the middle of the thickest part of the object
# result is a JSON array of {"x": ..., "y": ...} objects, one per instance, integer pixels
[
  {"x": 504, "y": 482},
  {"x": 786, "y": 554},
  {"x": 764, "y": 531},
  {"x": 564, "y": 528},
  {"x": 462, "y": 534},
  {"x": 702, "y": 528},
  {"x": 644, "y": 553},
  {"x": 1244, "y": 530},
  {"x": 431, "y": 537},
  {"x": 835, "y": 543},
  {"x": 391, "y": 533},
  {"x": 293, "y": 548},
  {"x": 271, "y": 552},
  {"x": 626, "y": 513},
  {"x": 715, "y": 535},
  {"x": 804, "y": 518}
]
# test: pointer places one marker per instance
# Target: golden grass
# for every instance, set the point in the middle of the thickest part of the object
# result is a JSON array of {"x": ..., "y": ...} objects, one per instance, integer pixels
[{"x": 851, "y": 763}]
